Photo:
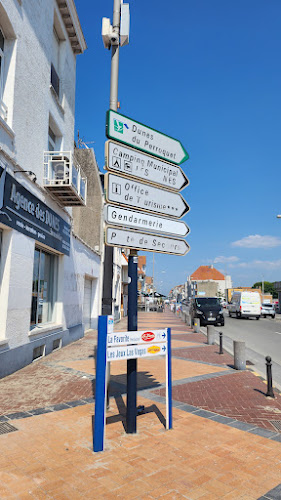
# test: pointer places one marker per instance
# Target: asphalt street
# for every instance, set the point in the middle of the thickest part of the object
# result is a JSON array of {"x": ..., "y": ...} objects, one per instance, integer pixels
[{"x": 262, "y": 338}]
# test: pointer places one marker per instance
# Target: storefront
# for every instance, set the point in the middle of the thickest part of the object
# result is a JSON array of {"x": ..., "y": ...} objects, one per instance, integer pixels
[{"x": 43, "y": 268}]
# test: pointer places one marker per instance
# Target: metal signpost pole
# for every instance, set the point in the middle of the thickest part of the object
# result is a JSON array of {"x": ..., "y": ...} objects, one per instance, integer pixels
[
  {"x": 132, "y": 326},
  {"x": 113, "y": 104}
]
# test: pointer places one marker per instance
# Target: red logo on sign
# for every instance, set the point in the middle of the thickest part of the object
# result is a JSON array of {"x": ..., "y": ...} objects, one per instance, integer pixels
[{"x": 148, "y": 336}]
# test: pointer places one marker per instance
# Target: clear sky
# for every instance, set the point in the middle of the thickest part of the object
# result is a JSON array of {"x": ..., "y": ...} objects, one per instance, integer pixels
[{"x": 207, "y": 73}]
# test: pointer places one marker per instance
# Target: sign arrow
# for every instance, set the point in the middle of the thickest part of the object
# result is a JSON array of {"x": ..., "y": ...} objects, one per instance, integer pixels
[
  {"x": 144, "y": 222},
  {"x": 144, "y": 196},
  {"x": 128, "y": 161},
  {"x": 143, "y": 241},
  {"x": 139, "y": 136}
]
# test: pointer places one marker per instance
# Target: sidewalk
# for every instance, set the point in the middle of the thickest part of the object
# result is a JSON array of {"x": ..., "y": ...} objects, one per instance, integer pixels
[{"x": 224, "y": 443}]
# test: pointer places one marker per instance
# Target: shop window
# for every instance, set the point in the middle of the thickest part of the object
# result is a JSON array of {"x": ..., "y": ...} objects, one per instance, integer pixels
[{"x": 43, "y": 287}]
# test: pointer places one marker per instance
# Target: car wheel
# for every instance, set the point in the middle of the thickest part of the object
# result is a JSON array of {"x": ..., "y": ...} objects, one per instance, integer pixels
[
  {"x": 257, "y": 317},
  {"x": 229, "y": 314},
  {"x": 273, "y": 316},
  {"x": 222, "y": 324}
]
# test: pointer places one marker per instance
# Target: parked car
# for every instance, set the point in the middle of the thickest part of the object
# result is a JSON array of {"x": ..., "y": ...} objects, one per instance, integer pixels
[
  {"x": 208, "y": 310},
  {"x": 268, "y": 310},
  {"x": 245, "y": 305}
]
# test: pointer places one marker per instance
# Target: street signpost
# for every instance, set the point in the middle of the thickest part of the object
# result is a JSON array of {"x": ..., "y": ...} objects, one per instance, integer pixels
[
  {"x": 165, "y": 152},
  {"x": 136, "y": 194},
  {"x": 126, "y": 238},
  {"x": 136, "y": 351},
  {"x": 131, "y": 163},
  {"x": 128, "y": 131},
  {"x": 127, "y": 346},
  {"x": 138, "y": 337},
  {"x": 125, "y": 217}
]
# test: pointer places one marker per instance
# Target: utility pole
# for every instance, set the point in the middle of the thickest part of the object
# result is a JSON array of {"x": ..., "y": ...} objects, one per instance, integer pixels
[
  {"x": 109, "y": 251},
  {"x": 113, "y": 104}
]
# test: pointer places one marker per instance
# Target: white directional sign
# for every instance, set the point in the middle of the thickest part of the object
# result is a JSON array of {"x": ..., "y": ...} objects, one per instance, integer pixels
[
  {"x": 145, "y": 222},
  {"x": 129, "y": 162},
  {"x": 139, "y": 136},
  {"x": 144, "y": 196},
  {"x": 137, "y": 337},
  {"x": 136, "y": 351},
  {"x": 115, "y": 236}
]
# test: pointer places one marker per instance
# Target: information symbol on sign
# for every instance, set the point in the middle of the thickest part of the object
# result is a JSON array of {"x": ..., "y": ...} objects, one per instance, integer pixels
[
  {"x": 116, "y": 162},
  {"x": 127, "y": 166},
  {"x": 116, "y": 188}
]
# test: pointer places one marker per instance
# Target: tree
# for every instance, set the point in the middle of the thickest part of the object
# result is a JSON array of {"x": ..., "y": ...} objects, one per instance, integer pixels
[{"x": 268, "y": 288}]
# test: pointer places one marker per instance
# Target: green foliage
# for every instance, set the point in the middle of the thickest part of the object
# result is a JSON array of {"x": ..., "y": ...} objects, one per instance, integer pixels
[{"x": 268, "y": 288}]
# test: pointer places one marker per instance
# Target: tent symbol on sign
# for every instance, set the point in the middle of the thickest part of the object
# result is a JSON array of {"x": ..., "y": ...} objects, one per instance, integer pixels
[{"x": 116, "y": 162}]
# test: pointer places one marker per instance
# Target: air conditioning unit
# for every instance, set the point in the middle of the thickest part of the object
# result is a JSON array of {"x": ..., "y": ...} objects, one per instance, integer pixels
[{"x": 59, "y": 166}]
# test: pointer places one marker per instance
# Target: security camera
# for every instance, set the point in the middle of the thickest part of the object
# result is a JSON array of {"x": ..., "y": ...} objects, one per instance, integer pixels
[{"x": 114, "y": 38}]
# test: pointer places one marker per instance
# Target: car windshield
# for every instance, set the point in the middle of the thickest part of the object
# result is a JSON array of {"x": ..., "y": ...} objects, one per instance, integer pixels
[
  {"x": 267, "y": 305},
  {"x": 207, "y": 301}
]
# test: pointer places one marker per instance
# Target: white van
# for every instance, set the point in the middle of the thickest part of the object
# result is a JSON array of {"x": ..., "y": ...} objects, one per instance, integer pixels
[{"x": 245, "y": 305}]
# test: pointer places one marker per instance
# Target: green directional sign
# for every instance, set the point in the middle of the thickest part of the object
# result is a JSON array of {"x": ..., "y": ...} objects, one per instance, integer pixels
[{"x": 128, "y": 131}]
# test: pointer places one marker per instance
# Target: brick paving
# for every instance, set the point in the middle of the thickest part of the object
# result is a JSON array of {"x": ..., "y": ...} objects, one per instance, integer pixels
[
  {"x": 241, "y": 396},
  {"x": 50, "y": 456},
  {"x": 208, "y": 354},
  {"x": 190, "y": 337}
]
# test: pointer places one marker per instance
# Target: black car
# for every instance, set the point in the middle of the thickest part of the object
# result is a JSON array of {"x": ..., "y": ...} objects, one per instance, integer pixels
[{"x": 208, "y": 310}]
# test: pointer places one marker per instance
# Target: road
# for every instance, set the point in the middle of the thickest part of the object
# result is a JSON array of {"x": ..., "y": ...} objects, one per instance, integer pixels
[{"x": 262, "y": 338}]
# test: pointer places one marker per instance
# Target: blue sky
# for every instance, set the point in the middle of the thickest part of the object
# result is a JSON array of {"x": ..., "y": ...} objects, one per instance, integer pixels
[{"x": 209, "y": 74}]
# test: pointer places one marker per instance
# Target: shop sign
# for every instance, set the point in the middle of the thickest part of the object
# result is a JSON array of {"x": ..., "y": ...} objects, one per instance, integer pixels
[{"x": 21, "y": 210}]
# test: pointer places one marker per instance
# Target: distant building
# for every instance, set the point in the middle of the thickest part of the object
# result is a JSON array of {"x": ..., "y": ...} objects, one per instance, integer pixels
[
  {"x": 178, "y": 293},
  {"x": 209, "y": 281}
]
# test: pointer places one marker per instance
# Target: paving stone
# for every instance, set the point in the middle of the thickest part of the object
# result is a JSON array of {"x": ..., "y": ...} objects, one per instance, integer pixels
[
  {"x": 222, "y": 420},
  {"x": 274, "y": 494},
  {"x": 241, "y": 425},
  {"x": 263, "y": 432},
  {"x": 51, "y": 457}
]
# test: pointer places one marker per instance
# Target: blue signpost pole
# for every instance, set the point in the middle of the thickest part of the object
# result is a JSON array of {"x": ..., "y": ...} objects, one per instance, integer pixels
[
  {"x": 132, "y": 326},
  {"x": 100, "y": 403},
  {"x": 169, "y": 379}
]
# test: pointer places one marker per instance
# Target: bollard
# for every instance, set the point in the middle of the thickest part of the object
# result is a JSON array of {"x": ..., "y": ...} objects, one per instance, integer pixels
[
  {"x": 211, "y": 334},
  {"x": 270, "y": 392},
  {"x": 239, "y": 355},
  {"x": 221, "y": 349},
  {"x": 188, "y": 320},
  {"x": 196, "y": 326}
]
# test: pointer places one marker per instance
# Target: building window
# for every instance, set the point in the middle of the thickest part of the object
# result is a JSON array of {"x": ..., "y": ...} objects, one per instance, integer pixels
[
  {"x": 55, "y": 80},
  {"x": 51, "y": 140},
  {"x": 2, "y": 41},
  {"x": 3, "y": 107},
  {"x": 43, "y": 287}
]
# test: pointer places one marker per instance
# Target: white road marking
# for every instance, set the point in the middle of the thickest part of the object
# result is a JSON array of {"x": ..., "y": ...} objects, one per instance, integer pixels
[{"x": 279, "y": 333}]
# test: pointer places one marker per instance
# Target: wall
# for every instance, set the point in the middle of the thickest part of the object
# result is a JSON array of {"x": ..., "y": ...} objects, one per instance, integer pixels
[
  {"x": 209, "y": 287},
  {"x": 28, "y": 28},
  {"x": 88, "y": 221}
]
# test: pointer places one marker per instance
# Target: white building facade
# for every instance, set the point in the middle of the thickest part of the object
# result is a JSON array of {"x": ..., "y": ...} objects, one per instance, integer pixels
[{"x": 49, "y": 276}]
